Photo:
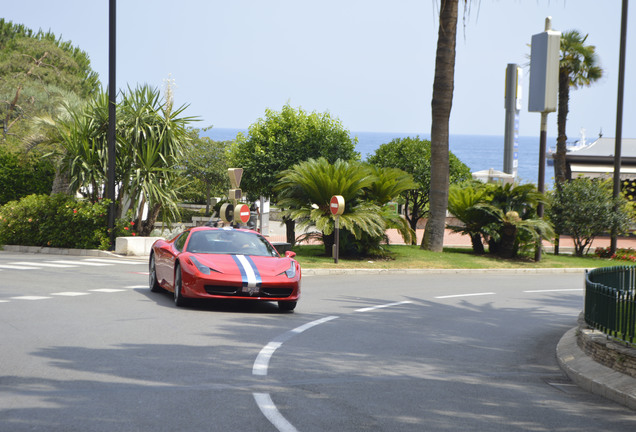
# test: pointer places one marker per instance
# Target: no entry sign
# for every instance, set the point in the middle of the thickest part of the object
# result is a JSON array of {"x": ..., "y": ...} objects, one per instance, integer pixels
[
  {"x": 242, "y": 213},
  {"x": 337, "y": 205}
]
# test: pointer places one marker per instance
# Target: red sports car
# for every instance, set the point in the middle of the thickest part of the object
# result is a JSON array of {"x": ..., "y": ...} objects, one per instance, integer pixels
[{"x": 211, "y": 263}]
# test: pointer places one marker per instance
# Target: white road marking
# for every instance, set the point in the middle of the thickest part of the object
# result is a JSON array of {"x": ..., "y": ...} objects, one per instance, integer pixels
[
  {"x": 30, "y": 298},
  {"x": 269, "y": 410},
  {"x": 70, "y": 293},
  {"x": 262, "y": 359},
  {"x": 18, "y": 267},
  {"x": 84, "y": 263},
  {"x": 4, "y": 301},
  {"x": 554, "y": 290},
  {"x": 114, "y": 261},
  {"x": 367, "y": 309},
  {"x": 107, "y": 290},
  {"x": 465, "y": 295},
  {"x": 136, "y": 286},
  {"x": 44, "y": 264}
]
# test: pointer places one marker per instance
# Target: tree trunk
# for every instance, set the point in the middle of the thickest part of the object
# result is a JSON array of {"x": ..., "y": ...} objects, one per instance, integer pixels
[
  {"x": 208, "y": 194},
  {"x": 508, "y": 237},
  {"x": 61, "y": 182},
  {"x": 290, "y": 230},
  {"x": 561, "y": 147},
  {"x": 329, "y": 241},
  {"x": 478, "y": 245},
  {"x": 441, "y": 108},
  {"x": 149, "y": 224}
]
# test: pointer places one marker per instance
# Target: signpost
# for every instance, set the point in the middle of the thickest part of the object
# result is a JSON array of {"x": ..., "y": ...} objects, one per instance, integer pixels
[
  {"x": 544, "y": 86},
  {"x": 235, "y": 213},
  {"x": 337, "y": 207}
]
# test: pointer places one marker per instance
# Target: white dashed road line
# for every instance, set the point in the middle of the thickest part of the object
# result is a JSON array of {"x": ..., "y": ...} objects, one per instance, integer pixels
[
  {"x": 46, "y": 264},
  {"x": 29, "y": 298},
  {"x": 367, "y": 309},
  {"x": 81, "y": 263},
  {"x": 554, "y": 290},
  {"x": 18, "y": 267},
  {"x": 465, "y": 295},
  {"x": 70, "y": 294},
  {"x": 107, "y": 290}
]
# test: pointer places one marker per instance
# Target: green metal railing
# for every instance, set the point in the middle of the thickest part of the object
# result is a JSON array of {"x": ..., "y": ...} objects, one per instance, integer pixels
[{"x": 610, "y": 304}]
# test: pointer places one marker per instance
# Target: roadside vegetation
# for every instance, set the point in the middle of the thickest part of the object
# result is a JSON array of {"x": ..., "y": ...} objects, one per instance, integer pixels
[
  {"x": 412, "y": 257},
  {"x": 53, "y": 172}
]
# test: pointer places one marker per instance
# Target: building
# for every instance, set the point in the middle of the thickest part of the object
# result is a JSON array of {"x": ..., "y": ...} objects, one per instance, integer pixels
[{"x": 597, "y": 160}]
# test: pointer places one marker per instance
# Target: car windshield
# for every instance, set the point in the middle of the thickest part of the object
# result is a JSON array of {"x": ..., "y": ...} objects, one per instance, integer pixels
[{"x": 222, "y": 241}]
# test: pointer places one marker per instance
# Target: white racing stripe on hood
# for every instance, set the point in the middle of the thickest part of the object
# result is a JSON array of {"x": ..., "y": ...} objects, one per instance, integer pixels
[{"x": 249, "y": 271}]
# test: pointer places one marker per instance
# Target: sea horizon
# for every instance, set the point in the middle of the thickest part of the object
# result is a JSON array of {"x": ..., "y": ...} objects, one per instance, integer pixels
[{"x": 478, "y": 152}]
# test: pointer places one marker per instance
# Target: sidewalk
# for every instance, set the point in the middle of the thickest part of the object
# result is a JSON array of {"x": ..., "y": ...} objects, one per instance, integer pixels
[{"x": 453, "y": 239}]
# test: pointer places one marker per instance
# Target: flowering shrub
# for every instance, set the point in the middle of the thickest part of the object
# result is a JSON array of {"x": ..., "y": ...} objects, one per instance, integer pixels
[
  {"x": 621, "y": 254},
  {"x": 57, "y": 221}
]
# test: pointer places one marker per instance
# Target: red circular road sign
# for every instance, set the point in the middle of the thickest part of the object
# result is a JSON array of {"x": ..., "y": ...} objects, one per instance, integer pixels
[
  {"x": 242, "y": 213},
  {"x": 337, "y": 205}
]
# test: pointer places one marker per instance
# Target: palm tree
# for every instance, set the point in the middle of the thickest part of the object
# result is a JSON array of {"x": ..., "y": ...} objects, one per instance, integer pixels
[
  {"x": 515, "y": 225},
  {"x": 578, "y": 67},
  {"x": 306, "y": 189},
  {"x": 441, "y": 107},
  {"x": 463, "y": 200}
]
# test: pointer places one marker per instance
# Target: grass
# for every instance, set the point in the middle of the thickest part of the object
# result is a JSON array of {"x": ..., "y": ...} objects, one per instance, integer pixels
[{"x": 412, "y": 257}]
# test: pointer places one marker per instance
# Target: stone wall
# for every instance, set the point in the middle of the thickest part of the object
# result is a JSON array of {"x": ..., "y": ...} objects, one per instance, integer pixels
[{"x": 606, "y": 351}]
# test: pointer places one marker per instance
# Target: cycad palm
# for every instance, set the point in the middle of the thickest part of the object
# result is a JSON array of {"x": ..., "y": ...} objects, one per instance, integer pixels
[
  {"x": 463, "y": 201},
  {"x": 306, "y": 190},
  {"x": 578, "y": 67}
]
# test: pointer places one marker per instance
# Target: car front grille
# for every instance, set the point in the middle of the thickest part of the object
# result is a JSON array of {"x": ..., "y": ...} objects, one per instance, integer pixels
[{"x": 234, "y": 291}]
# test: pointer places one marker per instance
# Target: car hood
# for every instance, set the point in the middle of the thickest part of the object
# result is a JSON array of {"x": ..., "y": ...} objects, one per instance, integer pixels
[{"x": 230, "y": 264}]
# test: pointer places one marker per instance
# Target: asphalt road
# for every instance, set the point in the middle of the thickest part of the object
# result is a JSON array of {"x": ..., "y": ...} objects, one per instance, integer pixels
[{"x": 87, "y": 347}]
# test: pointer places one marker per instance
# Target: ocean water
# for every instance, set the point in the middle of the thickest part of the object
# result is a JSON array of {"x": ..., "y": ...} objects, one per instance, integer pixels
[{"x": 479, "y": 152}]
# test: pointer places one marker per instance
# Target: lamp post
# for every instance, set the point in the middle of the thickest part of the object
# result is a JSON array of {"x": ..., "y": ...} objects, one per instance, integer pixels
[
  {"x": 112, "y": 105},
  {"x": 619, "y": 119}
]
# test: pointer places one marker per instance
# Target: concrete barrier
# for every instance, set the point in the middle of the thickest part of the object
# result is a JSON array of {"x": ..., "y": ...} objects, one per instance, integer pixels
[{"x": 139, "y": 246}]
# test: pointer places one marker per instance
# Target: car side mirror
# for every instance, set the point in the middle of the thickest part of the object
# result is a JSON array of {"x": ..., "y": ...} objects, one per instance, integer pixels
[{"x": 290, "y": 254}]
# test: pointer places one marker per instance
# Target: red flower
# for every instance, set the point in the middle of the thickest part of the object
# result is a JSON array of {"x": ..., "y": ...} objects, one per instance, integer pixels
[
  {"x": 126, "y": 228},
  {"x": 74, "y": 210},
  {"x": 132, "y": 223}
]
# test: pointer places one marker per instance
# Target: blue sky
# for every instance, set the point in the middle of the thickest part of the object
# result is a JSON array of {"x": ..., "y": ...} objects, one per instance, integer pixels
[{"x": 370, "y": 63}]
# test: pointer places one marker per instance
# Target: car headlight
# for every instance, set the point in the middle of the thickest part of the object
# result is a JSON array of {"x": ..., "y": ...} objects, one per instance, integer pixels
[
  {"x": 291, "y": 271},
  {"x": 203, "y": 269}
]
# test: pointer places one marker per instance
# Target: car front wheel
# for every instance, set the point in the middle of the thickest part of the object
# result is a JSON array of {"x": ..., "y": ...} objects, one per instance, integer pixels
[
  {"x": 287, "y": 305},
  {"x": 154, "y": 285},
  {"x": 179, "y": 300}
]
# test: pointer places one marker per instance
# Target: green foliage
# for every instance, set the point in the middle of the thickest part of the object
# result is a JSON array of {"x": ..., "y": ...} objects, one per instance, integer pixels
[
  {"x": 207, "y": 162},
  {"x": 281, "y": 140},
  {"x": 54, "y": 221},
  {"x": 151, "y": 142},
  {"x": 36, "y": 68},
  {"x": 413, "y": 155},
  {"x": 22, "y": 175},
  {"x": 504, "y": 215},
  {"x": 306, "y": 189},
  {"x": 585, "y": 208}
]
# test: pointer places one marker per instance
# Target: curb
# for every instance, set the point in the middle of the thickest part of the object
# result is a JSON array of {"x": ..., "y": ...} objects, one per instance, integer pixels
[
  {"x": 59, "y": 251},
  {"x": 592, "y": 376}
]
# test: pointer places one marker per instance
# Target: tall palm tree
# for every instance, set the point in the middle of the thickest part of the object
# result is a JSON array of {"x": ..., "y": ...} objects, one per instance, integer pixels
[
  {"x": 578, "y": 67},
  {"x": 441, "y": 104}
]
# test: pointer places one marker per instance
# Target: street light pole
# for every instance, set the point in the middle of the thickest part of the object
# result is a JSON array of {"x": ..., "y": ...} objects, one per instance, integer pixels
[
  {"x": 112, "y": 105},
  {"x": 619, "y": 119}
]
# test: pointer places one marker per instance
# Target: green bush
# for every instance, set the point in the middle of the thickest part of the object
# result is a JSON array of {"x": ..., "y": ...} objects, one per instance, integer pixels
[
  {"x": 23, "y": 175},
  {"x": 55, "y": 221}
]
